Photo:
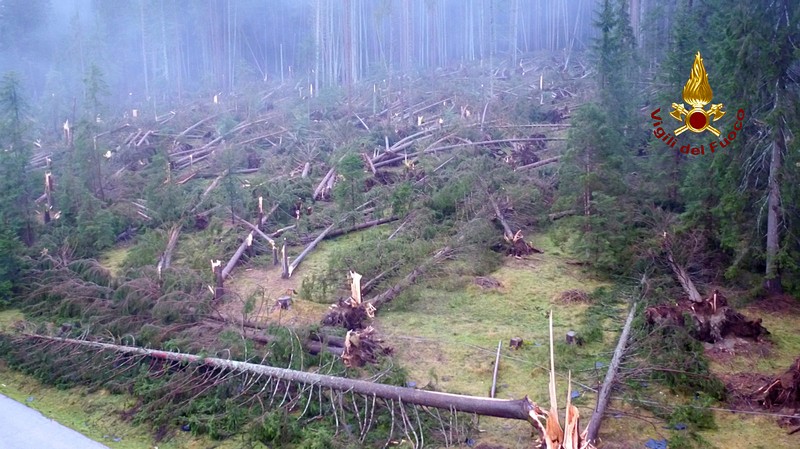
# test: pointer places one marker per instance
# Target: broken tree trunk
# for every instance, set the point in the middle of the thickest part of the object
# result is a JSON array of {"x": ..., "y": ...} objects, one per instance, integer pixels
[
  {"x": 237, "y": 255},
  {"x": 541, "y": 163},
  {"x": 308, "y": 249},
  {"x": 306, "y": 170},
  {"x": 680, "y": 272},
  {"x": 255, "y": 229},
  {"x": 605, "y": 391},
  {"x": 360, "y": 227},
  {"x": 508, "y": 234},
  {"x": 321, "y": 186},
  {"x": 410, "y": 278},
  {"x": 166, "y": 257},
  {"x": 500, "y": 408}
]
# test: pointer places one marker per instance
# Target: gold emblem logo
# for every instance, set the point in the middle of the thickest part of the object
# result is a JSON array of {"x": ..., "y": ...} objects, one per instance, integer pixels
[{"x": 697, "y": 92}]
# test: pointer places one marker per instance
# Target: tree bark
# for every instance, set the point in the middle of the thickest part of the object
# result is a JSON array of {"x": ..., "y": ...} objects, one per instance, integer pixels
[
  {"x": 680, "y": 272},
  {"x": 308, "y": 249},
  {"x": 500, "y": 408},
  {"x": 236, "y": 256},
  {"x": 772, "y": 278},
  {"x": 410, "y": 278},
  {"x": 602, "y": 400},
  {"x": 508, "y": 234},
  {"x": 541, "y": 163}
]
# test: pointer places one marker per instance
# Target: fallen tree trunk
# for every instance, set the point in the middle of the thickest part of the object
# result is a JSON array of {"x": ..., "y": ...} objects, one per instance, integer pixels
[
  {"x": 508, "y": 234},
  {"x": 559, "y": 215},
  {"x": 520, "y": 409},
  {"x": 361, "y": 226},
  {"x": 680, "y": 272},
  {"x": 255, "y": 229},
  {"x": 407, "y": 281},
  {"x": 166, "y": 257},
  {"x": 237, "y": 255},
  {"x": 308, "y": 249},
  {"x": 605, "y": 391},
  {"x": 541, "y": 163},
  {"x": 321, "y": 186}
]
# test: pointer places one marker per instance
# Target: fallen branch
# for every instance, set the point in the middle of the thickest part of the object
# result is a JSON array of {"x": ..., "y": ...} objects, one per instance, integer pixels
[{"x": 496, "y": 365}]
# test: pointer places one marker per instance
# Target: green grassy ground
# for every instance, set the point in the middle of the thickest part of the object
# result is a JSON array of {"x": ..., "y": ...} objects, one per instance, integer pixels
[{"x": 445, "y": 332}]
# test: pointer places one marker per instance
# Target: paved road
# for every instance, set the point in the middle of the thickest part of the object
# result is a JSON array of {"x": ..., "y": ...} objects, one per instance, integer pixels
[{"x": 22, "y": 427}]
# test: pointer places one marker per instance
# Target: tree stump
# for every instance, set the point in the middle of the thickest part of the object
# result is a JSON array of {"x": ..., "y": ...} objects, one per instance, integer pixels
[
  {"x": 516, "y": 343},
  {"x": 572, "y": 338}
]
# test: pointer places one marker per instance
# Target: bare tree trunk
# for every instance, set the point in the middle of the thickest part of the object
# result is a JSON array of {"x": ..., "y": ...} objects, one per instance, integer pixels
[
  {"x": 508, "y": 234},
  {"x": 166, "y": 257},
  {"x": 602, "y": 400},
  {"x": 538, "y": 164},
  {"x": 308, "y": 249},
  {"x": 500, "y": 408},
  {"x": 680, "y": 272},
  {"x": 772, "y": 278},
  {"x": 237, "y": 255},
  {"x": 395, "y": 290}
]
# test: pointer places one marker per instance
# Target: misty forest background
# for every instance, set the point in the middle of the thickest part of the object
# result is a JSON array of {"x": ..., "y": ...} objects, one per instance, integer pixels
[
  {"x": 265, "y": 90},
  {"x": 83, "y": 61}
]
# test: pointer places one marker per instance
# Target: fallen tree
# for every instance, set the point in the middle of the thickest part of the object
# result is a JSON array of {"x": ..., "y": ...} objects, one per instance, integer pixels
[
  {"x": 520, "y": 409},
  {"x": 783, "y": 391}
]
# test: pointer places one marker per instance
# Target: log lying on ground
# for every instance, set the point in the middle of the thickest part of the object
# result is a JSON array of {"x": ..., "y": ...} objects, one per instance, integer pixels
[
  {"x": 321, "y": 186},
  {"x": 712, "y": 319},
  {"x": 308, "y": 250},
  {"x": 605, "y": 391},
  {"x": 520, "y": 409},
  {"x": 248, "y": 240},
  {"x": 359, "y": 227},
  {"x": 166, "y": 257},
  {"x": 541, "y": 163},
  {"x": 407, "y": 281}
]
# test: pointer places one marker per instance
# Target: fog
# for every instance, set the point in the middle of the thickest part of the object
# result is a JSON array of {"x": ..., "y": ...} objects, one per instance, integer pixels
[{"x": 168, "y": 49}]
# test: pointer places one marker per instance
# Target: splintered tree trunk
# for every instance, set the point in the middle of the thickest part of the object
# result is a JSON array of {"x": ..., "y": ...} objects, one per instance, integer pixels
[
  {"x": 166, "y": 257},
  {"x": 500, "y": 408},
  {"x": 681, "y": 274},
  {"x": 508, "y": 234}
]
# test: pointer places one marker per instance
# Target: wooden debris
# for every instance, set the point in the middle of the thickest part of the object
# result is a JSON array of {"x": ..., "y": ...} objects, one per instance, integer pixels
[
  {"x": 487, "y": 282},
  {"x": 516, "y": 343},
  {"x": 573, "y": 295},
  {"x": 783, "y": 391},
  {"x": 496, "y": 366},
  {"x": 712, "y": 319}
]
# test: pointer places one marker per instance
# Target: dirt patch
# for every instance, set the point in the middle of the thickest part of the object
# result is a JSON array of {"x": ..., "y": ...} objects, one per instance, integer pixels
[
  {"x": 246, "y": 282},
  {"x": 740, "y": 388},
  {"x": 727, "y": 349},
  {"x": 776, "y": 304}
]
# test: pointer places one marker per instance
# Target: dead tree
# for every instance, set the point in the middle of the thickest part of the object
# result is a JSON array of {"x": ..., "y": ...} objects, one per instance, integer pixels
[
  {"x": 166, "y": 257},
  {"x": 605, "y": 390},
  {"x": 290, "y": 269},
  {"x": 680, "y": 271},
  {"x": 521, "y": 409}
]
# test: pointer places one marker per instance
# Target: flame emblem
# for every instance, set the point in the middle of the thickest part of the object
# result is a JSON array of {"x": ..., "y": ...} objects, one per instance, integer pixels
[{"x": 697, "y": 92}]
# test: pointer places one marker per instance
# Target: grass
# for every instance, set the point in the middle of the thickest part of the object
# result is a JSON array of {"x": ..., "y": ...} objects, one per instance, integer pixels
[
  {"x": 96, "y": 415},
  {"x": 447, "y": 338},
  {"x": 113, "y": 258}
]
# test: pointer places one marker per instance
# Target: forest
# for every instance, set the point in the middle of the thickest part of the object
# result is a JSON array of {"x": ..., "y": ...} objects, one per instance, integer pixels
[{"x": 562, "y": 224}]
